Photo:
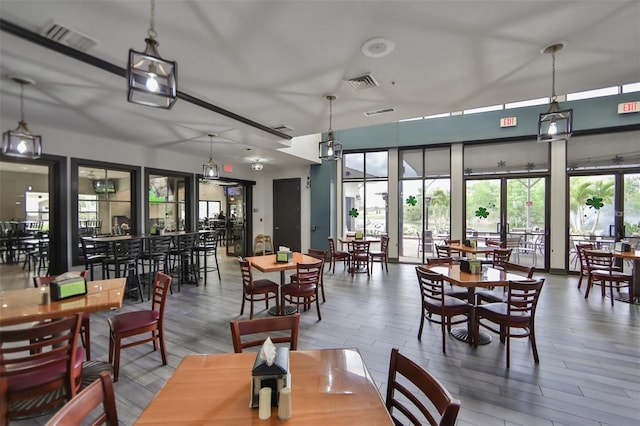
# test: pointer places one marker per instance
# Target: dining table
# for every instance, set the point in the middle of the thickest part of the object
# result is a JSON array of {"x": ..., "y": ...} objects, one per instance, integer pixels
[
  {"x": 479, "y": 249},
  {"x": 35, "y": 304},
  {"x": 268, "y": 263},
  {"x": 634, "y": 292},
  {"x": 328, "y": 386},
  {"x": 488, "y": 277}
]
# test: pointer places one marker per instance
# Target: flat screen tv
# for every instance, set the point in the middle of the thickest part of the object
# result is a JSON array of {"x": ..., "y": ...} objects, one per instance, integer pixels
[
  {"x": 160, "y": 190},
  {"x": 103, "y": 186}
]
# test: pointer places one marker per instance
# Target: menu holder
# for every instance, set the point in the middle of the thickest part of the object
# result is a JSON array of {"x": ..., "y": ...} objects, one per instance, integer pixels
[
  {"x": 471, "y": 266},
  {"x": 359, "y": 235},
  {"x": 284, "y": 256},
  {"x": 275, "y": 376}
]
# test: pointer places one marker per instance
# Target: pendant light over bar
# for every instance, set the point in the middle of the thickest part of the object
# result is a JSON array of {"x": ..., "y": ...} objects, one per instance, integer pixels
[
  {"x": 21, "y": 142},
  {"x": 210, "y": 169},
  {"x": 330, "y": 149},
  {"x": 555, "y": 124},
  {"x": 152, "y": 80}
]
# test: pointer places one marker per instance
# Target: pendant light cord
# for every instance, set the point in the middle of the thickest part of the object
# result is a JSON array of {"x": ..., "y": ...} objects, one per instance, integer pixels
[
  {"x": 152, "y": 32},
  {"x": 553, "y": 75},
  {"x": 22, "y": 102},
  {"x": 330, "y": 113}
]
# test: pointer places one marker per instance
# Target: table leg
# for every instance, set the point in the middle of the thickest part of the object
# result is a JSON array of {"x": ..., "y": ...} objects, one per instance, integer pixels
[
  {"x": 466, "y": 334},
  {"x": 284, "y": 310},
  {"x": 634, "y": 292}
]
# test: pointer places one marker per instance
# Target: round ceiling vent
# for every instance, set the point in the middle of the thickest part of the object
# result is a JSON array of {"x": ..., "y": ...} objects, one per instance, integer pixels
[{"x": 378, "y": 47}]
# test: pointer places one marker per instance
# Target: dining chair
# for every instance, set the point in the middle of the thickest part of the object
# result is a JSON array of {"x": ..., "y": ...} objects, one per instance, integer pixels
[
  {"x": 319, "y": 254},
  {"x": 435, "y": 302},
  {"x": 129, "y": 324},
  {"x": 443, "y": 252},
  {"x": 256, "y": 290},
  {"x": 260, "y": 328},
  {"x": 500, "y": 256},
  {"x": 582, "y": 261},
  {"x": 85, "y": 329},
  {"x": 518, "y": 312},
  {"x": 491, "y": 295},
  {"x": 336, "y": 255},
  {"x": 604, "y": 273},
  {"x": 422, "y": 400},
  {"x": 452, "y": 252},
  {"x": 41, "y": 362},
  {"x": 450, "y": 290},
  {"x": 381, "y": 255},
  {"x": 123, "y": 262},
  {"x": 98, "y": 396},
  {"x": 360, "y": 255},
  {"x": 305, "y": 286}
]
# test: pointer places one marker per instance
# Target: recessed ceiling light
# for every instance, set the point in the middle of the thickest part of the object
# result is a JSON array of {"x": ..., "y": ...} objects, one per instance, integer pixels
[{"x": 378, "y": 47}]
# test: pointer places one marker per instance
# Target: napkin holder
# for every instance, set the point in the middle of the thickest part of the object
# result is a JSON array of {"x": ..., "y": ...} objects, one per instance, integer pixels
[
  {"x": 471, "y": 266},
  {"x": 63, "y": 289},
  {"x": 284, "y": 256},
  {"x": 626, "y": 248},
  {"x": 359, "y": 235},
  {"x": 275, "y": 376}
]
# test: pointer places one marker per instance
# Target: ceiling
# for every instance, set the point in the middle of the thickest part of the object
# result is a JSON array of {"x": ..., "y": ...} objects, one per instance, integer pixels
[{"x": 273, "y": 62}]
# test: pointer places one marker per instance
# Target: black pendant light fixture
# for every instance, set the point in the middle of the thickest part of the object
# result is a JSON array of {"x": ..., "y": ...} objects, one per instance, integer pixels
[
  {"x": 210, "y": 169},
  {"x": 20, "y": 142},
  {"x": 330, "y": 149},
  {"x": 556, "y": 123},
  {"x": 152, "y": 80}
]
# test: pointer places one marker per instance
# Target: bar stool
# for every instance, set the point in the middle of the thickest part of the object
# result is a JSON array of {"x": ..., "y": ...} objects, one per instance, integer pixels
[
  {"x": 124, "y": 262},
  {"x": 182, "y": 254},
  {"x": 261, "y": 242},
  {"x": 156, "y": 255},
  {"x": 93, "y": 253},
  {"x": 208, "y": 245}
]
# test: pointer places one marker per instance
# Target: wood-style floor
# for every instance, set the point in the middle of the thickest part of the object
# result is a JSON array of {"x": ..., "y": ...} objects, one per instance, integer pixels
[{"x": 589, "y": 370}]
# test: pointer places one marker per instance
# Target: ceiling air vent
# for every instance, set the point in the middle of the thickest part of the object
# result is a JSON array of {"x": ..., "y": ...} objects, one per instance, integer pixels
[
  {"x": 67, "y": 36},
  {"x": 363, "y": 82},
  {"x": 380, "y": 111},
  {"x": 283, "y": 128}
]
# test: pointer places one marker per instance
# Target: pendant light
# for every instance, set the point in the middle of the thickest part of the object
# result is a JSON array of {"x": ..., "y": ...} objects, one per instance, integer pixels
[
  {"x": 152, "y": 80},
  {"x": 330, "y": 149},
  {"x": 210, "y": 169},
  {"x": 21, "y": 142},
  {"x": 556, "y": 123},
  {"x": 257, "y": 165}
]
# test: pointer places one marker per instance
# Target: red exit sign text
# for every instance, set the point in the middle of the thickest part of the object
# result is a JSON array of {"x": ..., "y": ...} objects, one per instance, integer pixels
[
  {"x": 508, "y": 122},
  {"x": 628, "y": 107}
]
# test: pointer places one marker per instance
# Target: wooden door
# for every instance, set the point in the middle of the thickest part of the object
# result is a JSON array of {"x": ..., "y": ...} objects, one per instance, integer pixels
[{"x": 286, "y": 213}]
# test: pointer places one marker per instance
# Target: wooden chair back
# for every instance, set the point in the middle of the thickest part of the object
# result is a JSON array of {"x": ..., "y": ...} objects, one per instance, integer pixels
[
  {"x": 261, "y": 326},
  {"x": 523, "y": 299},
  {"x": 516, "y": 268},
  {"x": 39, "y": 359},
  {"x": 495, "y": 243},
  {"x": 443, "y": 251},
  {"x": 440, "y": 261},
  {"x": 412, "y": 382},
  {"x": 99, "y": 396},
  {"x": 500, "y": 256},
  {"x": 161, "y": 288}
]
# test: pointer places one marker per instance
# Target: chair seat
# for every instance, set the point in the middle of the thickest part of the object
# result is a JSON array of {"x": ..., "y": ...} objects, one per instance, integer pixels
[
  {"x": 610, "y": 275},
  {"x": 129, "y": 321},
  {"x": 264, "y": 285},
  {"x": 43, "y": 376},
  {"x": 500, "y": 309},
  {"x": 296, "y": 289}
]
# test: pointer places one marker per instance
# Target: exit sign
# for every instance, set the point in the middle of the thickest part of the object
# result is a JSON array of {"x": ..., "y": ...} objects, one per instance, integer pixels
[
  {"x": 628, "y": 107},
  {"x": 508, "y": 121},
  {"x": 228, "y": 168}
]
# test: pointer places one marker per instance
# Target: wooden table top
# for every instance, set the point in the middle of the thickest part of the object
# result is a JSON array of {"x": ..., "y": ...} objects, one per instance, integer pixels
[
  {"x": 633, "y": 255},
  {"x": 475, "y": 250},
  {"x": 328, "y": 386},
  {"x": 25, "y": 305},
  {"x": 348, "y": 240},
  {"x": 490, "y": 277},
  {"x": 267, "y": 263}
]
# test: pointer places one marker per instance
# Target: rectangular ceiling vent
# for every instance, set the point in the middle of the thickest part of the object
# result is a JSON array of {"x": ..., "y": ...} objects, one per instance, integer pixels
[
  {"x": 366, "y": 81},
  {"x": 283, "y": 128},
  {"x": 67, "y": 36},
  {"x": 380, "y": 111}
]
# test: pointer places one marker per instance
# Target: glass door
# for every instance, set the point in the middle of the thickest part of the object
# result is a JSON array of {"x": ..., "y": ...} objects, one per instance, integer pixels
[{"x": 511, "y": 210}]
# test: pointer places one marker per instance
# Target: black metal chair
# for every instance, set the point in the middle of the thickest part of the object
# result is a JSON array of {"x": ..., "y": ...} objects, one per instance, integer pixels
[
  {"x": 155, "y": 255},
  {"x": 123, "y": 262},
  {"x": 208, "y": 246}
]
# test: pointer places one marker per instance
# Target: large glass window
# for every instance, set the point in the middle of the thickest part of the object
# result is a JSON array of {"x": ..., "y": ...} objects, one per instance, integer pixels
[
  {"x": 104, "y": 201},
  {"x": 425, "y": 197},
  {"x": 167, "y": 203},
  {"x": 365, "y": 190}
]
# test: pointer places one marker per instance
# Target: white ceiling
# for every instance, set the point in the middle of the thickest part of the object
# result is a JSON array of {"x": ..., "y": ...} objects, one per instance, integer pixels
[{"x": 273, "y": 62}]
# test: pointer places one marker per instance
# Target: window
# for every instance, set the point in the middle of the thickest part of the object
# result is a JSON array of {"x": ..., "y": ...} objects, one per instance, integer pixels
[{"x": 167, "y": 202}]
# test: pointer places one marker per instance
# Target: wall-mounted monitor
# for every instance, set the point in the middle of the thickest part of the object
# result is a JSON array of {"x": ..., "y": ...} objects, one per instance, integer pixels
[
  {"x": 160, "y": 190},
  {"x": 103, "y": 186}
]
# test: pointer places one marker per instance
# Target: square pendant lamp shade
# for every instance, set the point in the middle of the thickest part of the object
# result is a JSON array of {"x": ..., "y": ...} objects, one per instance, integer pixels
[
  {"x": 556, "y": 123},
  {"x": 210, "y": 169},
  {"x": 152, "y": 80},
  {"x": 20, "y": 142},
  {"x": 330, "y": 149}
]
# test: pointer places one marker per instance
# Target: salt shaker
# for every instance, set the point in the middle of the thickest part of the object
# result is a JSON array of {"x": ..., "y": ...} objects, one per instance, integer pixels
[
  {"x": 284, "y": 405},
  {"x": 264, "y": 404}
]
